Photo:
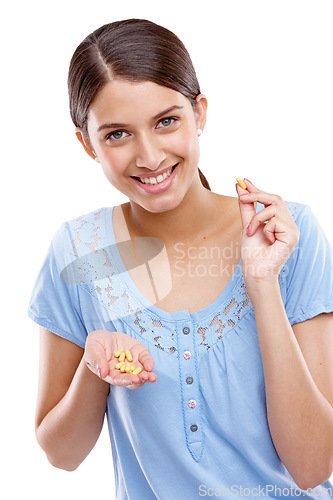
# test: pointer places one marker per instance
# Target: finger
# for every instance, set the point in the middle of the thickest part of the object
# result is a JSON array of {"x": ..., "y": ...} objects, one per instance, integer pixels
[
  {"x": 250, "y": 186},
  {"x": 265, "y": 199},
  {"x": 96, "y": 359},
  {"x": 263, "y": 216},
  {"x": 246, "y": 206},
  {"x": 152, "y": 377},
  {"x": 269, "y": 231},
  {"x": 146, "y": 360},
  {"x": 128, "y": 379},
  {"x": 118, "y": 378}
]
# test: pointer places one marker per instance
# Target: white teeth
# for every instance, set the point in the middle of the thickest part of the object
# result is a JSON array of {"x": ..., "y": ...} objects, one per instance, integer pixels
[{"x": 156, "y": 180}]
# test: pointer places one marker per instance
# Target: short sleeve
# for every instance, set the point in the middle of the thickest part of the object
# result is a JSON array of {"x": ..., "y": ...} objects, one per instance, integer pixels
[
  {"x": 309, "y": 280},
  {"x": 54, "y": 303}
]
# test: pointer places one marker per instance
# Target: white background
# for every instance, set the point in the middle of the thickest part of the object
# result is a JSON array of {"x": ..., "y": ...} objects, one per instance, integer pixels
[{"x": 266, "y": 69}]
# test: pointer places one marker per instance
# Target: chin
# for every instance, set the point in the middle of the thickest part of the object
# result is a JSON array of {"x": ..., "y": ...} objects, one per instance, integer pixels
[{"x": 160, "y": 204}]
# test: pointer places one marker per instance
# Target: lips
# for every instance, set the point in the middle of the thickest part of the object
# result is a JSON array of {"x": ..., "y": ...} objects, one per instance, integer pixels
[
  {"x": 157, "y": 178},
  {"x": 158, "y": 187}
]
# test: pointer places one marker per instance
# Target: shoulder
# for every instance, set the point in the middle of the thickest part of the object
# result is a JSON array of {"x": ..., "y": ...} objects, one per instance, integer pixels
[
  {"x": 81, "y": 234},
  {"x": 87, "y": 229},
  {"x": 310, "y": 228},
  {"x": 313, "y": 253},
  {"x": 299, "y": 211},
  {"x": 88, "y": 220}
]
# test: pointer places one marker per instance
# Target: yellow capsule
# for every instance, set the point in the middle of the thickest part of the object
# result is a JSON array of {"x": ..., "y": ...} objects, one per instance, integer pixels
[
  {"x": 132, "y": 367},
  {"x": 137, "y": 370},
  {"x": 129, "y": 356},
  {"x": 241, "y": 182},
  {"x": 119, "y": 365},
  {"x": 128, "y": 369},
  {"x": 123, "y": 368},
  {"x": 118, "y": 353},
  {"x": 122, "y": 356}
]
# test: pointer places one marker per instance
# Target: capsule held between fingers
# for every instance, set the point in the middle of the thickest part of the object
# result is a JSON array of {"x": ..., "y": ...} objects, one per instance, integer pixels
[{"x": 241, "y": 182}]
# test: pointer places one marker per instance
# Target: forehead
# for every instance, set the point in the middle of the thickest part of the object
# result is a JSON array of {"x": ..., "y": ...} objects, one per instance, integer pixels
[{"x": 122, "y": 101}]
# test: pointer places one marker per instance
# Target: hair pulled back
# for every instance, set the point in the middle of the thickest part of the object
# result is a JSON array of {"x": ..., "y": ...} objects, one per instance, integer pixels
[{"x": 135, "y": 50}]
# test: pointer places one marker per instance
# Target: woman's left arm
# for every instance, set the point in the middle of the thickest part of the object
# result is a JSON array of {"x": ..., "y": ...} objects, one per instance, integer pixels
[{"x": 298, "y": 360}]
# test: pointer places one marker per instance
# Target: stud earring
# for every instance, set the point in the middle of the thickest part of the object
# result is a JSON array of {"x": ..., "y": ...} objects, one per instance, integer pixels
[
  {"x": 96, "y": 159},
  {"x": 199, "y": 131}
]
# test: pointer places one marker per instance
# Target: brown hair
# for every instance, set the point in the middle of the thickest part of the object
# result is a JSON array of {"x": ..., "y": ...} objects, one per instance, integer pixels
[{"x": 134, "y": 50}]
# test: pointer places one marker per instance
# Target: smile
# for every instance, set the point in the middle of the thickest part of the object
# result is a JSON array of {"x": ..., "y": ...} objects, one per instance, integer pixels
[
  {"x": 156, "y": 179},
  {"x": 159, "y": 183}
]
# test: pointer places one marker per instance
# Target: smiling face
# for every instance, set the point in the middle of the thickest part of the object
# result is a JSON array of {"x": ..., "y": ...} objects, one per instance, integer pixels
[{"x": 145, "y": 137}]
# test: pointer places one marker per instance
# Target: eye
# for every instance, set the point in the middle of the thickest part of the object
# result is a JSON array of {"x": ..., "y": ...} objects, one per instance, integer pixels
[
  {"x": 117, "y": 134},
  {"x": 166, "y": 122}
]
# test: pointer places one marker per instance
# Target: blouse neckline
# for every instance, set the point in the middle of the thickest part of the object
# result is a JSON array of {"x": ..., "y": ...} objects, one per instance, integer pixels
[{"x": 177, "y": 315}]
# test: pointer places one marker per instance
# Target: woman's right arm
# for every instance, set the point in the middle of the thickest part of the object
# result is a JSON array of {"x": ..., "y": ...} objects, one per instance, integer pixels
[
  {"x": 71, "y": 402},
  {"x": 72, "y": 397}
]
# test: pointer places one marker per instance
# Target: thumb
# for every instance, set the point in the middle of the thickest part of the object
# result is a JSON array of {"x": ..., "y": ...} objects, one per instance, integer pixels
[
  {"x": 247, "y": 208},
  {"x": 95, "y": 358}
]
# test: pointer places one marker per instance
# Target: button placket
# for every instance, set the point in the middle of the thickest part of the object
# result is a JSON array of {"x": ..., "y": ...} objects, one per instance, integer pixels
[{"x": 190, "y": 391}]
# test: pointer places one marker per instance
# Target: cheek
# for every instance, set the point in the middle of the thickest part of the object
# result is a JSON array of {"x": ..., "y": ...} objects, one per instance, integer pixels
[
  {"x": 186, "y": 145},
  {"x": 114, "y": 162}
]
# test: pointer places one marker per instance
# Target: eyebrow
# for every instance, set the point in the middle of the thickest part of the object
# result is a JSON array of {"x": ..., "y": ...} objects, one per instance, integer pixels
[{"x": 124, "y": 125}]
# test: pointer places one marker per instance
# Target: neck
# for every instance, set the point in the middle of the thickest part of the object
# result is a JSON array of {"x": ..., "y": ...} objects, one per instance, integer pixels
[{"x": 183, "y": 223}]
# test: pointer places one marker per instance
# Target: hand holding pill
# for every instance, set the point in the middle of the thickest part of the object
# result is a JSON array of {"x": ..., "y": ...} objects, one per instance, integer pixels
[
  {"x": 119, "y": 359},
  {"x": 269, "y": 235},
  {"x": 241, "y": 182}
]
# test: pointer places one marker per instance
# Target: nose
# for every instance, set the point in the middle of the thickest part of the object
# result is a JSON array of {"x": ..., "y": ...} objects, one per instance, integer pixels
[{"x": 149, "y": 152}]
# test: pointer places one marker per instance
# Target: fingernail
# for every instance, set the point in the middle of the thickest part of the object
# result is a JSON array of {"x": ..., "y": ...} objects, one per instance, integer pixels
[
  {"x": 99, "y": 372},
  {"x": 248, "y": 229}
]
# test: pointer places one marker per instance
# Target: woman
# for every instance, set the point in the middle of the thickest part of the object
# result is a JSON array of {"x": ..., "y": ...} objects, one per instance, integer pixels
[{"x": 225, "y": 302}]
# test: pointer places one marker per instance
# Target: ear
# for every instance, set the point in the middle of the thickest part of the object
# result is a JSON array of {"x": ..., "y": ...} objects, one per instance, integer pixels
[
  {"x": 200, "y": 111},
  {"x": 85, "y": 142}
]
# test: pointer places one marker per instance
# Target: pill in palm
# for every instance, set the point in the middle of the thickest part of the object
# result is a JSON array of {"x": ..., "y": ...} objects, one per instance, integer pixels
[
  {"x": 118, "y": 353},
  {"x": 129, "y": 356},
  {"x": 241, "y": 182},
  {"x": 119, "y": 365},
  {"x": 126, "y": 367}
]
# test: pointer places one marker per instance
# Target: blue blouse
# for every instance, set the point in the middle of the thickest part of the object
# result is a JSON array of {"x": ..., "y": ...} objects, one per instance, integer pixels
[{"x": 201, "y": 429}]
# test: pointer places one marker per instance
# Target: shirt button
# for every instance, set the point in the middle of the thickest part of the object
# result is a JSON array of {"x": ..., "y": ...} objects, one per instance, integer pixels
[
  {"x": 194, "y": 428},
  {"x": 192, "y": 403},
  {"x": 187, "y": 355},
  {"x": 186, "y": 330},
  {"x": 189, "y": 380}
]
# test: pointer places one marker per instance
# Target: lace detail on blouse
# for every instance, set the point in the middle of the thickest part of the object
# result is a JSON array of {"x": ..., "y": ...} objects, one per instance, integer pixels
[
  {"x": 216, "y": 326},
  {"x": 95, "y": 269}
]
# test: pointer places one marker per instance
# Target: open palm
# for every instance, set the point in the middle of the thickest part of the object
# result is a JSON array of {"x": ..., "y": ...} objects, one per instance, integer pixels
[{"x": 99, "y": 357}]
